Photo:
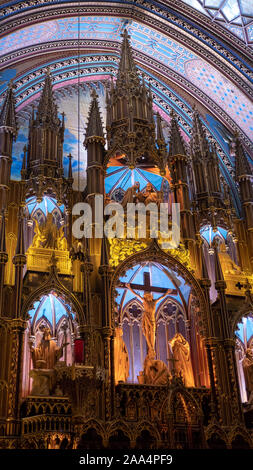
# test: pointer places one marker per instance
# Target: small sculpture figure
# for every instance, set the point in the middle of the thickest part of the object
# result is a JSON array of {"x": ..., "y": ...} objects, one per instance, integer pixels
[
  {"x": 227, "y": 264},
  {"x": 47, "y": 353},
  {"x": 61, "y": 240},
  {"x": 148, "y": 317},
  {"x": 48, "y": 236},
  {"x": 155, "y": 371},
  {"x": 130, "y": 194},
  {"x": 181, "y": 353},
  {"x": 121, "y": 359},
  {"x": 149, "y": 195}
]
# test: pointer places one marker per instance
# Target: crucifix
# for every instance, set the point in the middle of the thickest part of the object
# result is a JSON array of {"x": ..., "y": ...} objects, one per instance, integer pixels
[
  {"x": 149, "y": 308},
  {"x": 147, "y": 287}
]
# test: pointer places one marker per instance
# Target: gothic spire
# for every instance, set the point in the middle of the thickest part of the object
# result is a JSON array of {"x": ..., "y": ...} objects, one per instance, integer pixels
[
  {"x": 127, "y": 71},
  {"x": 47, "y": 108},
  {"x": 199, "y": 141},
  {"x": 159, "y": 130},
  {"x": 242, "y": 165},
  {"x": 94, "y": 128},
  {"x": 8, "y": 114},
  {"x": 176, "y": 146}
]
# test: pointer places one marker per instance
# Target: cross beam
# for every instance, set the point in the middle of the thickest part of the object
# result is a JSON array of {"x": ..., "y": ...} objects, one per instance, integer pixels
[{"x": 146, "y": 287}]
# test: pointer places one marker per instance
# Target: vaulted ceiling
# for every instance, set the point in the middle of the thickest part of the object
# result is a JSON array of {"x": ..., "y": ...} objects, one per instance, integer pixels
[{"x": 193, "y": 52}]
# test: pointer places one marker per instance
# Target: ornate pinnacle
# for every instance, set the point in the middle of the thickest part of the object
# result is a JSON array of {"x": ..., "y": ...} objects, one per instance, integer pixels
[
  {"x": 8, "y": 114},
  {"x": 159, "y": 130},
  {"x": 176, "y": 146},
  {"x": 47, "y": 109},
  {"x": 127, "y": 72},
  {"x": 198, "y": 141},
  {"x": 242, "y": 165},
  {"x": 94, "y": 130}
]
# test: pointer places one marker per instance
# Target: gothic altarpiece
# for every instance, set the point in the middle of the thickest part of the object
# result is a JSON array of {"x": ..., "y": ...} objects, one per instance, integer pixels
[{"x": 120, "y": 343}]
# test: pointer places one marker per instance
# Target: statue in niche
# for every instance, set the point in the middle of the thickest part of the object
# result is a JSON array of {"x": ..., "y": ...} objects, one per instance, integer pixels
[
  {"x": 48, "y": 236},
  {"x": 121, "y": 358},
  {"x": 248, "y": 373},
  {"x": 47, "y": 353},
  {"x": 149, "y": 195},
  {"x": 182, "y": 359},
  {"x": 131, "y": 194},
  {"x": 148, "y": 317},
  {"x": 45, "y": 357},
  {"x": 61, "y": 240},
  {"x": 227, "y": 264}
]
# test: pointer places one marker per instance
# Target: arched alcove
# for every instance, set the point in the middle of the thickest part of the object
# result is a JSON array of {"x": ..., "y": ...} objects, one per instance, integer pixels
[
  {"x": 51, "y": 312},
  {"x": 174, "y": 316}
]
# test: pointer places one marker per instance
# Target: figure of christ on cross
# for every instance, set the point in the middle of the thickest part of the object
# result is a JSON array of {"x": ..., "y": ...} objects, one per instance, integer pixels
[{"x": 149, "y": 307}]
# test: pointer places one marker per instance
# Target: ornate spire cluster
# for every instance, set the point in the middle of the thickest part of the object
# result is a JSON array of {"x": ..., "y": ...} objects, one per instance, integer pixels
[
  {"x": 130, "y": 122},
  {"x": 209, "y": 197},
  {"x": 46, "y": 136},
  {"x": 47, "y": 112},
  {"x": 127, "y": 76}
]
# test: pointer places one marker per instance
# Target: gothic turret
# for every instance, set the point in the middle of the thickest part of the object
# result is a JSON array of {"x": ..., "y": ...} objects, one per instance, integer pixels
[
  {"x": 46, "y": 135},
  {"x": 19, "y": 261},
  {"x": 178, "y": 165},
  {"x": 8, "y": 132},
  {"x": 94, "y": 143},
  {"x": 130, "y": 122},
  {"x": 205, "y": 166}
]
